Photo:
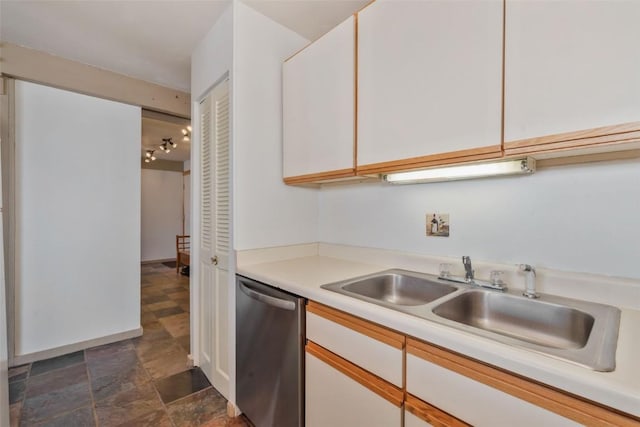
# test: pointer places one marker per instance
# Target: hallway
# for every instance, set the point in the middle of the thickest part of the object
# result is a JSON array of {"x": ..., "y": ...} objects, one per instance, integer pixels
[{"x": 137, "y": 382}]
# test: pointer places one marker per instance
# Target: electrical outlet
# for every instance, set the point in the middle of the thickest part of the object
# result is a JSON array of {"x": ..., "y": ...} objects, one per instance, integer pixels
[{"x": 438, "y": 224}]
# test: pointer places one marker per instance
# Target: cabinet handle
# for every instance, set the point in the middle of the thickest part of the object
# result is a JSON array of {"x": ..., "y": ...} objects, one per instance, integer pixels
[{"x": 214, "y": 260}]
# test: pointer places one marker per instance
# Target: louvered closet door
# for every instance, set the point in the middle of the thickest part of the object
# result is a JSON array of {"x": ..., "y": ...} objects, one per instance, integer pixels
[{"x": 214, "y": 237}]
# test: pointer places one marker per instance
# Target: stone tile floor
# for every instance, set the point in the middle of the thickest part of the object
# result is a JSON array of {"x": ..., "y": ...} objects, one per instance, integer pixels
[{"x": 143, "y": 381}]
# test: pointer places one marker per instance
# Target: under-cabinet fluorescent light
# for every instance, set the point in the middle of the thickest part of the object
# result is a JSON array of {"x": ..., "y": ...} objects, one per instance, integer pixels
[{"x": 524, "y": 166}]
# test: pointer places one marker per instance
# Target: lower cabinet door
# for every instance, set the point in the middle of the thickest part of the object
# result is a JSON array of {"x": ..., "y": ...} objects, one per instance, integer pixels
[
  {"x": 340, "y": 394},
  {"x": 411, "y": 420}
]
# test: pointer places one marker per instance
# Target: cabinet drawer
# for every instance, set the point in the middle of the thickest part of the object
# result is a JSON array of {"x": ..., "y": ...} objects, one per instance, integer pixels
[
  {"x": 482, "y": 395},
  {"x": 472, "y": 401},
  {"x": 374, "y": 348},
  {"x": 341, "y": 394}
]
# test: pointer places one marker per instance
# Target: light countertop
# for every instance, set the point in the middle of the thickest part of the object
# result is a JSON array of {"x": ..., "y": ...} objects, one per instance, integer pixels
[{"x": 619, "y": 389}]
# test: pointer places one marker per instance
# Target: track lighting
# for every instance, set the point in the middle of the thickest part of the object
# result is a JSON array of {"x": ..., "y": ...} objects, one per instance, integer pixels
[
  {"x": 166, "y": 143},
  {"x": 186, "y": 132},
  {"x": 149, "y": 157}
]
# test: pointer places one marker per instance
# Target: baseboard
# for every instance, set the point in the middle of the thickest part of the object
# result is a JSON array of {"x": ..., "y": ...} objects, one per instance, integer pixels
[
  {"x": 156, "y": 261},
  {"x": 70, "y": 348},
  {"x": 232, "y": 410}
]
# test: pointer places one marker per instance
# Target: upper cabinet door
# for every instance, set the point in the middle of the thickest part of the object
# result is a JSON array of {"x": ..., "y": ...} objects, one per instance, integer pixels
[
  {"x": 572, "y": 73},
  {"x": 429, "y": 83},
  {"x": 319, "y": 108}
]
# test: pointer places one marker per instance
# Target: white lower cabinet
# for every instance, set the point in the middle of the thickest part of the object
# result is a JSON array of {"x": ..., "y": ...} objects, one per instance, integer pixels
[
  {"x": 411, "y": 420},
  {"x": 474, "y": 402},
  {"x": 334, "y": 398},
  {"x": 359, "y": 373}
]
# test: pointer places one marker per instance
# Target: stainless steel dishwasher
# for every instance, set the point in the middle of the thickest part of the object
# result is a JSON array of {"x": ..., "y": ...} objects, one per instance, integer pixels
[{"x": 270, "y": 336}]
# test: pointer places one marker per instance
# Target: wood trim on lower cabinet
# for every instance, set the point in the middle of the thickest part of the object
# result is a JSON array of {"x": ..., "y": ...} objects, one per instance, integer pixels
[
  {"x": 319, "y": 177},
  {"x": 450, "y": 158},
  {"x": 376, "y": 384},
  {"x": 622, "y": 133},
  {"x": 569, "y": 406},
  {"x": 431, "y": 414},
  {"x": 380, "y": 333}
]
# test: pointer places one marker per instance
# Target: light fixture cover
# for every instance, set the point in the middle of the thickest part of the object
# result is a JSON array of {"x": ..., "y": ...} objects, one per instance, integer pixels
[{"x": 520, "y": 166}]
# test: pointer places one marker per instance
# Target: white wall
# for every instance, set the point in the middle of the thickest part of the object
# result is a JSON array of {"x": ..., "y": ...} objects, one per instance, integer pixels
[
  {"x": 267, "y": 212},
  {"x": 575, "y": 218},
  {"x": 210, "y": 60},
  {"x": 161, "y": 213},
  {"x": 78, "y": 214}
]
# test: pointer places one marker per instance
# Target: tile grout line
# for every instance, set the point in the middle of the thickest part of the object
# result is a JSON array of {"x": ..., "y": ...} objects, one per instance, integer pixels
[{"x": 94, "y": 409}]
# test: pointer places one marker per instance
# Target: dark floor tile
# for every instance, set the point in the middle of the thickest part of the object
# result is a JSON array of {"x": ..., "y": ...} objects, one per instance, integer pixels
[
  {"x": 119, "y": 362},
  {"x": 56, "y": 379},
  {"x": 82, "y": 417},
  {"x": 185, "y": 342},
  {"x": 197, "y": 409},
  {"x": 153, "y": 419},
  {"x": 118, "y": 382},
  {"x": 19, "y": 373},
  {"x": 181, "y": 385},
  {"x": 45, "y": 406},
  {"x": 154, "y": 298},
  {"x": 127, "y": 406},
  {"x": 56, "y": 363},
  {"x": 16, "y": 391},
  {"x": 108, "y": 351},
  {"x": 168, "y": 312}
]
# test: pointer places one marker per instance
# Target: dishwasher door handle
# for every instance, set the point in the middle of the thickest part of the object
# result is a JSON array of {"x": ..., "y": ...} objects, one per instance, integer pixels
[{"x": 267, "y": 299}]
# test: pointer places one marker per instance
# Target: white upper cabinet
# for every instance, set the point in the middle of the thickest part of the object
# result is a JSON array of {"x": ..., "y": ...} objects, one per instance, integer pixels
[
  {"x": 571, "y": 66},
  {"x": 319, "y": 108},
  {"x": 429, "y": 82}
]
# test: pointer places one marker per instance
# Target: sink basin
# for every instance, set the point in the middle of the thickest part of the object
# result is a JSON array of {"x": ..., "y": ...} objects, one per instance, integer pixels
[
  {"x": 581, "y": 332},
  {"x": 576, "y": 331},
  {"x": 537, "y": 322},
  {"x": 395, "y": 288}
]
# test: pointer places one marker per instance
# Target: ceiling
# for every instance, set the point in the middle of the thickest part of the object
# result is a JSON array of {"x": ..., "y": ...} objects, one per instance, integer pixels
[{"x": 150, "y": 40}]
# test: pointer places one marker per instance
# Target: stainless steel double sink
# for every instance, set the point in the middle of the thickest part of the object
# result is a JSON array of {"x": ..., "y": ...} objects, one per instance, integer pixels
[{"x": 577, "y": 331}]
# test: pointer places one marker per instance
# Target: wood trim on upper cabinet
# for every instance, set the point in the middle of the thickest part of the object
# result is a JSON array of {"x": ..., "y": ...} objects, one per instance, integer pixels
[
  {"x": 362, "y": 326},
  {"x": 452, "y": 157},
  {"x": 377, "y": 385},
  {"x": 569, "y": 406},
  {"x": 626, "y": 132},
  {"x": 321, "y": 176},
  {"x": 431, "y": 414}
]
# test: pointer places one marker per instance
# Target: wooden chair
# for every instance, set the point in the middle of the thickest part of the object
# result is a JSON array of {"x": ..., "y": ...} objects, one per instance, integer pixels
[{"x": 182, "y": 251}]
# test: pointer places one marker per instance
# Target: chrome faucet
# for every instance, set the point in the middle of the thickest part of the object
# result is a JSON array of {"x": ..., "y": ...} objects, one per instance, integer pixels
[
  {"x": 530, "y": 281},
  {"x": 468, "y": 275}
]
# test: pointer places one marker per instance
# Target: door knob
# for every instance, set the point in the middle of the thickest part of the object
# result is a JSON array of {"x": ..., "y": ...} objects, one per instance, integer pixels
[{"x": 214, "y": 260}]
